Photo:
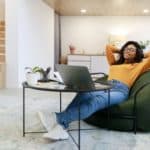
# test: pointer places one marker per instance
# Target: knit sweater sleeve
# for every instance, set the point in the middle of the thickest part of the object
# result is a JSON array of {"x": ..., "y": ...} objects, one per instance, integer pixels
[
  {"x": 147, "y": 61},
  {"x": 110, "y": 50}
]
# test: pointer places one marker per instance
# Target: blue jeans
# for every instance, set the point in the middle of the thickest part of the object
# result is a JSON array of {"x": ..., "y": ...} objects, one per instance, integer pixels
[{"x": 90, "y": 102}]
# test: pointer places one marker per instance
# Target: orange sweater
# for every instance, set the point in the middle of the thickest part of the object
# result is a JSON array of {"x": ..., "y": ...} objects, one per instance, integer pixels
[{"x": 126, "y": 73}]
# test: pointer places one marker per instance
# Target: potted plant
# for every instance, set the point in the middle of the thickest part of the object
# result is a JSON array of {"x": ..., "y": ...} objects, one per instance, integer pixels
[
  {"x": 144, "y": 44},
  {"x": 32, "y": 74},
  {"x": 36, "y": 74}
]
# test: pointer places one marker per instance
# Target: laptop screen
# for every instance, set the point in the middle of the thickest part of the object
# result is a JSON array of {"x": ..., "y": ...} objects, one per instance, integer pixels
[{"x": 76, "y": 77}]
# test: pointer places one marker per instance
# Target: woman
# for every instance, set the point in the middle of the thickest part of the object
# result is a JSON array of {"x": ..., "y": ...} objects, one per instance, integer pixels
[{"x": 122, "y": 75}]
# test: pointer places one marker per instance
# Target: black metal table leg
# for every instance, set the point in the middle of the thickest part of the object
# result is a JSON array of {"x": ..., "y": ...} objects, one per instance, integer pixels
[
  {"x": 79, "y": 134},
  {"x": 108, "y": 110},
  {"x": 23, "y": 112},
  {"x": 60, "y": 96}
]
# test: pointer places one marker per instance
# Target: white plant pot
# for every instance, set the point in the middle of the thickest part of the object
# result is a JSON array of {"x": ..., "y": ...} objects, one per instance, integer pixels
[{"x": 32, "y": 78}]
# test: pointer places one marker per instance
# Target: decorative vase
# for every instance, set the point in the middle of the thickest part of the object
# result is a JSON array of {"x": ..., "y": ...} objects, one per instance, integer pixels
[{"x": 72, "y": 49}]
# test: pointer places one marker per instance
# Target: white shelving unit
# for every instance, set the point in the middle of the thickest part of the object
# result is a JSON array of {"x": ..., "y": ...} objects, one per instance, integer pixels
[{"x": 95, "y": 63}]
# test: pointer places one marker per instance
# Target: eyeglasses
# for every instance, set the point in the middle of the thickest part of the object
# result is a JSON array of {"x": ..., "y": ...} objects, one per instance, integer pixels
[{"x": 130, "y": 49}]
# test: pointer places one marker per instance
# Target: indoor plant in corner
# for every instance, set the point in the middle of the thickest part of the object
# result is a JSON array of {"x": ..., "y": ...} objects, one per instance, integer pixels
[{"x": 144, "y": 44}]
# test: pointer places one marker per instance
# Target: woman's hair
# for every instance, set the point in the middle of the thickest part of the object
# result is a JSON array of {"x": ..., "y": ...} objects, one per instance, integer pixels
[{"x": 139, "y": 52}]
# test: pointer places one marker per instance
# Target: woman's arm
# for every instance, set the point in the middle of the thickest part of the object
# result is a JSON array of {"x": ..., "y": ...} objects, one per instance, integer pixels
[
  {"x": 146, "y": 61},
  {"x": 110, "y": 50}
]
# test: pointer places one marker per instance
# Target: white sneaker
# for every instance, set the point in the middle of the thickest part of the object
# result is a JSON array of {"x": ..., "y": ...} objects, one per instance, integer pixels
[
  {"x": 57, "y": 133},
  {"x": 48, "y": 119}
]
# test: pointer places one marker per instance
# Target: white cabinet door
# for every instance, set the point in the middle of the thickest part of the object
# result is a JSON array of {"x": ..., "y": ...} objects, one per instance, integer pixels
[
  {"x": 80, "y": 60},
  {"x": 99, "y": 64}
]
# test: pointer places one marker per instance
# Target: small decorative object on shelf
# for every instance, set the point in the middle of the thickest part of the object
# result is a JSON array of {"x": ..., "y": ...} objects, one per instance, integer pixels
[
  {"x": 36, "y": 74},
  {"x": 72, "y": 49},
  {"x": 144, "y": 44}
]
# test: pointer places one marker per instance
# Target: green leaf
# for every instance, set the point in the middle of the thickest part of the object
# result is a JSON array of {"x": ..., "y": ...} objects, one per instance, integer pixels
[{"x": 36, "y": 69}]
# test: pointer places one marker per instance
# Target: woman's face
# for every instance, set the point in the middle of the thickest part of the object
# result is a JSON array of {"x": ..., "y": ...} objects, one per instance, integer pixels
[{"x": 129, "y": 52}]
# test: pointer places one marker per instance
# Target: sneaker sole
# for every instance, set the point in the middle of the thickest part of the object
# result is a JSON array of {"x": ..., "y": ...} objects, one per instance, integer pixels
[{"x": 46, "y": 135}]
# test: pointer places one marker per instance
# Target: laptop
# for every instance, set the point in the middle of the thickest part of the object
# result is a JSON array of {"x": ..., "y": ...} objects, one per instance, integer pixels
[{"x": 77, "y": 77}]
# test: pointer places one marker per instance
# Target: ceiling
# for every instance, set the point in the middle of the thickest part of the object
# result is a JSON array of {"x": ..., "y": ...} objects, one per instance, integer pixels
[{"x": 100, "y": 7}]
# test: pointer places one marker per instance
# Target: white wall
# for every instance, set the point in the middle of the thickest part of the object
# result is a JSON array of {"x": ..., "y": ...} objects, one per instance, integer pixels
[
  {"x": 33, "y": 40},
  {"x": 2, "y": 9},
  {"x": 11, "y": 10},
  {"x": 90, "y": 33},
  {"x": 36, "y": 35}
]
